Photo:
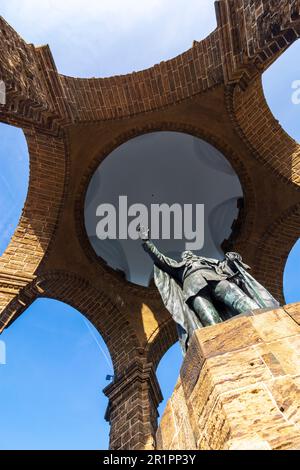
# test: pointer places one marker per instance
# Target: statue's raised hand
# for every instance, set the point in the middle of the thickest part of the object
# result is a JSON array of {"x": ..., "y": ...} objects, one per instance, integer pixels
[
  {"x": 143, "y": 233},
  {"x": 232, "y": 256}
]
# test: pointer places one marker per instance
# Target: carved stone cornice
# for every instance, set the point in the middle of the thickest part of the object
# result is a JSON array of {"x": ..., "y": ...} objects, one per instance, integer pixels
[{"x": 13, "y": 283}]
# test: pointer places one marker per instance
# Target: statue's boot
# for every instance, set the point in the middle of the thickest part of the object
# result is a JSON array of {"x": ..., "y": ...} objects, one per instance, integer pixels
[
  {"x": 233, "y": 297},
  {"x": 205, "y": 310}
]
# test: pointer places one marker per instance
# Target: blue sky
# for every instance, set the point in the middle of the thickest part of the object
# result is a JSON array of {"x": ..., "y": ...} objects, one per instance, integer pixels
[{"x": 56, "y": 361}]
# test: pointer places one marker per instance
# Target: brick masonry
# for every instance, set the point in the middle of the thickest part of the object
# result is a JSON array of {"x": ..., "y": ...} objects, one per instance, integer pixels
[{"x": 212, "y": 91}]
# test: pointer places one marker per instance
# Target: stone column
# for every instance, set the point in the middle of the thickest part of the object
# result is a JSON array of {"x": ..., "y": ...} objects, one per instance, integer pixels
[
  {"x": 239, "y": 386},
  {"x": 132, "y": 411}
]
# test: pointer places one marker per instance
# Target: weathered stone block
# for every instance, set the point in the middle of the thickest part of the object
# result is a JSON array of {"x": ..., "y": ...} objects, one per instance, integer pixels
[{"x": 239, "y": 387}]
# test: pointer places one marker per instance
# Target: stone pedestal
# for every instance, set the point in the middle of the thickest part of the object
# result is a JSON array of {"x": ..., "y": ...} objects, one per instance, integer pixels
[{"x": 239, "y": 386}]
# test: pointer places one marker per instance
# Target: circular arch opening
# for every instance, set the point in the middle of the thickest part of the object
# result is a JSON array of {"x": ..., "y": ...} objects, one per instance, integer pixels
[
  {"x": 14, "y": 178},
  {"x": 291, "y": 278},
  {"x": 281, "y": 85},
  {"x": 56, "y": 367},
  {"x": 168, "y": 372},
  {"x": 141, "y": 33},
  {"x": 164, "y": 167}
]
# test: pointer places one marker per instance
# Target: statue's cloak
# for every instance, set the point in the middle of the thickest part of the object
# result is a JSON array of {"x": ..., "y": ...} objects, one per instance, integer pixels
[
  {"x": 172, "y": 295},
  {"x": 186, "y": 319},
  {"x": 253, "y": 288}
]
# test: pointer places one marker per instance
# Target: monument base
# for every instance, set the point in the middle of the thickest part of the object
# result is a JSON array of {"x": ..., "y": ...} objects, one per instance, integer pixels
[{"x": 239, "y": 386}]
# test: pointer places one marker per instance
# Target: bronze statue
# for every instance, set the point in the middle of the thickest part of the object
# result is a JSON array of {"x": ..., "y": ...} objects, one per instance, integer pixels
[{"x": 200, "y": 291}]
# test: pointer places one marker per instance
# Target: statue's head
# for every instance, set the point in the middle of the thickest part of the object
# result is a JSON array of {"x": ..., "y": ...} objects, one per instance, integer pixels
[{"x": 187, "y": 255}]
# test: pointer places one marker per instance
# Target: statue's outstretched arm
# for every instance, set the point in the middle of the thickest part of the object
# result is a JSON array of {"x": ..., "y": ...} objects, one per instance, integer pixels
[{"x": 159, "y": 259}]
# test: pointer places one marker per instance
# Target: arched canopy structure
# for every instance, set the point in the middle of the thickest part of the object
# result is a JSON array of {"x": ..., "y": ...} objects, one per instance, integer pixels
[{"x": 212, "y": 91}]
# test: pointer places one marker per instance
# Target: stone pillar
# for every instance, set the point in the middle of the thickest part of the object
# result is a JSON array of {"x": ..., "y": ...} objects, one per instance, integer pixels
[
  {"x": 132, "y": 411},
  {"x": 239, "y": 387}
]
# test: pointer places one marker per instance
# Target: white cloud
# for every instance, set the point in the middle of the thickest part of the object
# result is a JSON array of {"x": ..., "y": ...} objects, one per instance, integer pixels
[{"x": 105, "y": 37}]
